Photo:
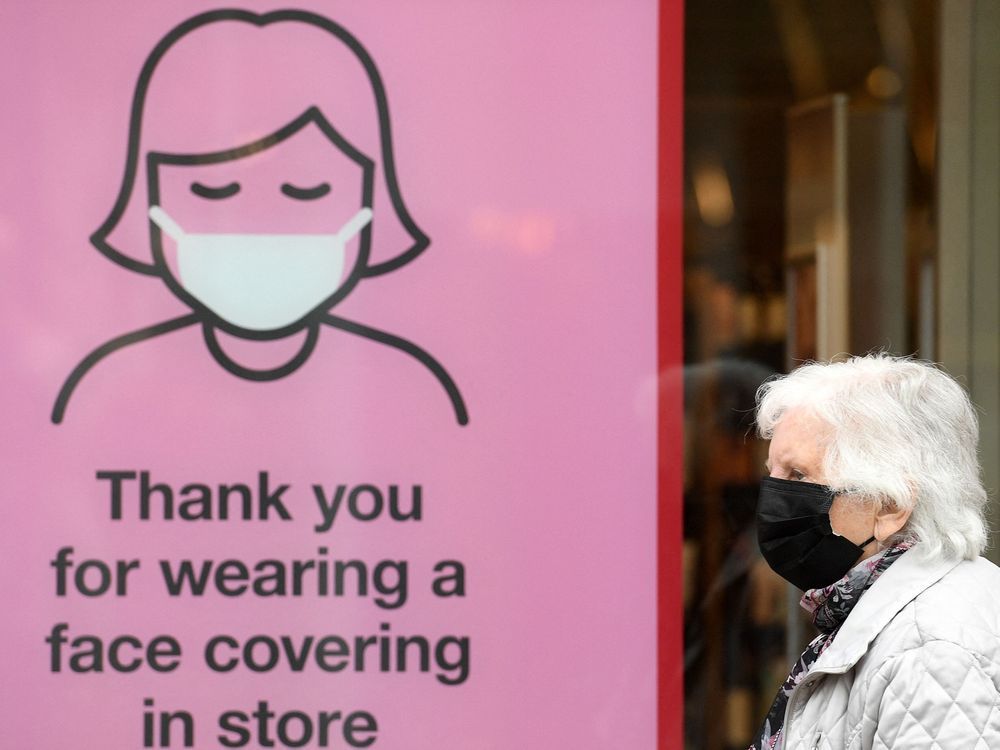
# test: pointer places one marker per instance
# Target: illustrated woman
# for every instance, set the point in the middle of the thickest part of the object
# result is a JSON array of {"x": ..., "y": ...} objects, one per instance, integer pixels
[{"x": 262, "y": 206}]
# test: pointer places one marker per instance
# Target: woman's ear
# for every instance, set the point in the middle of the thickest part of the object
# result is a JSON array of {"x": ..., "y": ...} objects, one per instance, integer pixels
[{"x": 890, "y": 520}]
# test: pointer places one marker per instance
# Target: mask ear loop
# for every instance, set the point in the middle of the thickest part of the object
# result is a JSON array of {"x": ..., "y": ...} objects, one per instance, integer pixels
[
  {"x": 354, "y": 225},
  {"x": 881, "y": 544},
  {"x": 869, "y": 540},
  {"x": 162, "y": 219}
]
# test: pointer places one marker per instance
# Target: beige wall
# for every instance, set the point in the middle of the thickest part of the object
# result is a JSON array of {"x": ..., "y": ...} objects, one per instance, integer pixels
[{"x": 968, "y": 334}]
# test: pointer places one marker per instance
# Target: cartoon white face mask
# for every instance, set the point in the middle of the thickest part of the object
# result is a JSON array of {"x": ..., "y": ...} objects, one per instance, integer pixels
[{"x": 261, "y": 282}]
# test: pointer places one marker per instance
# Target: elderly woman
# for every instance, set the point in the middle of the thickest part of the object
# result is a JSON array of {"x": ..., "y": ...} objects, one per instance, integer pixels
[{"x": 874, "y": 506}]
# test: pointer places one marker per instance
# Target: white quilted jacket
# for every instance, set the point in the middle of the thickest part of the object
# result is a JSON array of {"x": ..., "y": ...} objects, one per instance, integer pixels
[{"x": 916, "y": 665}]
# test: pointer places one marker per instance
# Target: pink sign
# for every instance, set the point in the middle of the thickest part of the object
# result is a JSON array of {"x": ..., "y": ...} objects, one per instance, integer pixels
[{"x": 331, "y": 396}]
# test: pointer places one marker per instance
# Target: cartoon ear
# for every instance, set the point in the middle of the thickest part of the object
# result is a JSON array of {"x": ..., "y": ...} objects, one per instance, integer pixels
[
  {"x": 393, "y": 227},
  {"x": 123, "y": 238}
]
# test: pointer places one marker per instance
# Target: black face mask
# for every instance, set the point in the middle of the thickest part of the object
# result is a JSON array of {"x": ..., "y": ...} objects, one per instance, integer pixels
[{"x": 795, "y": 537}]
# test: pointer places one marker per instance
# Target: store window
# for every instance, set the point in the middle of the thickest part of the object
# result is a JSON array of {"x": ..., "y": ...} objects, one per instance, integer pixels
[{"x": 810, "y": 230}]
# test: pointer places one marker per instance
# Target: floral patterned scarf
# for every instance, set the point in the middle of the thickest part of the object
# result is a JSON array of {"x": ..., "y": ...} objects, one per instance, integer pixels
[{"x": 829, "y": 608}]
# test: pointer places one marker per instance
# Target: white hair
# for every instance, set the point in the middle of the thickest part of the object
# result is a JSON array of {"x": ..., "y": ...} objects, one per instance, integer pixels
[{"x": 903, "y": 433}]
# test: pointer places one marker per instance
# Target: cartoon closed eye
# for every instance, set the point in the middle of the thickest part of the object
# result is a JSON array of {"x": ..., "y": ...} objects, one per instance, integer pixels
[{"x": 261, "y": 216}]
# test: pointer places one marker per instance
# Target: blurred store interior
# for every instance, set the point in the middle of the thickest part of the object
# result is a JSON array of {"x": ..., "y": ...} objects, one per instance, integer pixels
[{"x": 842, "y": 163}]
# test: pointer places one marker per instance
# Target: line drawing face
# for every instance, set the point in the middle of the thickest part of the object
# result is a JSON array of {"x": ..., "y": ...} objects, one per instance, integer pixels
[
  {"x": 263, "y": 216},
  {"x": 221, "y": 271}
]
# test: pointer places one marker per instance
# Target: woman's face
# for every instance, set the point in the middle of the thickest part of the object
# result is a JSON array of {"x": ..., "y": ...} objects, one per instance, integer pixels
[
  {"x": 797, "y": 452},
  {"x": 267, "y": 207}
]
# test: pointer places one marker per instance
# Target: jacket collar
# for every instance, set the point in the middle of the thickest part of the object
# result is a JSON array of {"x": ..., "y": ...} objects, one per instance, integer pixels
[{"x": 905, "y": 579}]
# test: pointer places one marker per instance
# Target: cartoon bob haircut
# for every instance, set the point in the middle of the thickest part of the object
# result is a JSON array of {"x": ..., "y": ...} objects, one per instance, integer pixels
[
  {"x": 230, "y": 84},
  {"x": 184, "y": 102}
]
